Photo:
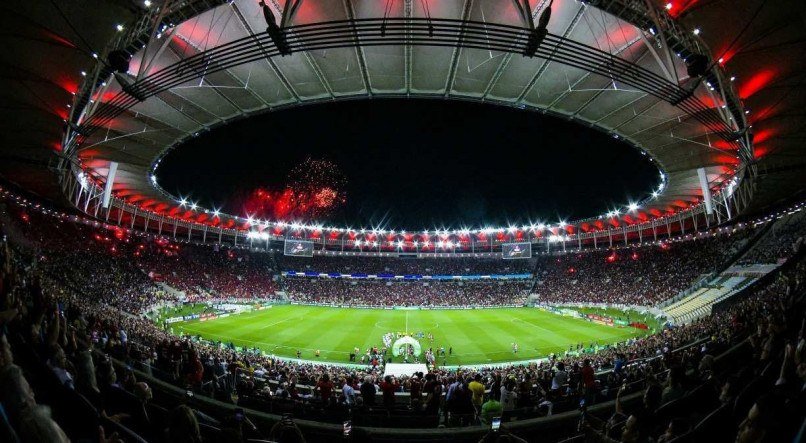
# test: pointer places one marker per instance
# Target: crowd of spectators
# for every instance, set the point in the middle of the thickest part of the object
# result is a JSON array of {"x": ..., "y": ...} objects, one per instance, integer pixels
[
  {"x": 348, "y": 292},
  {"x": 125, "y": 269},
  {"x": 205, "y": 272},
  {"x": 407, "y": 266},
  {"x": 58, "y": 326},
  {"x": 640, "y": 276},
  {"x": 784, "y": 238},
  {"x": 65, "y": 320}
]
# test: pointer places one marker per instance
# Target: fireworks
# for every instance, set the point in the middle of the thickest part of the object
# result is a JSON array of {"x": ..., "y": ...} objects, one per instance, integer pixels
[{"x": 314, "y": 190}]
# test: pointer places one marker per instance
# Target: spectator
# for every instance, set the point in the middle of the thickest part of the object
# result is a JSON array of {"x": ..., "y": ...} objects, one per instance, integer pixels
[
  {"x": 389, "y": 386},
  {"x": 509, "y": 395},
  {"x": 490, "y": 409},
  {"x": 368, "y": 391},
  {"x": 183, "y": 426},
  {"x": 477, "y": 388}
]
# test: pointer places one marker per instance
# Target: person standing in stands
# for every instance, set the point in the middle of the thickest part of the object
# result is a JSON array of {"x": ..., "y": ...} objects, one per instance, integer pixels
[
  {"x": 415, "y": 390},
  {"x": 509, "y": 395},
  {"x": 348, "y": 392},
  {"x": 588, "y": 382},
  {"x": 325, "y": 388},
  {"x": 389, "y": 386},
  {"x": 368, "y": 391},
  {"x": 433, "y": 392},
  {"x": 491, "y": 408},
  {"x": 559, "y": 380},
  {"x": 495, "y": 387},
  {"x": 477, "y": 388}
]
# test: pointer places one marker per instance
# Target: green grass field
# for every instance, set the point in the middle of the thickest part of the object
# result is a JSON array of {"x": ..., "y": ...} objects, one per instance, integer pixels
[{"x": 478, "y": 336}]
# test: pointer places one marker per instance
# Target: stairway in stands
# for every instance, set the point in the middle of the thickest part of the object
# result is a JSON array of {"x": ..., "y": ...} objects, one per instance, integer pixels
[
  {"x": 699, "y": 303},
  {"x": 737, "y": 273}
]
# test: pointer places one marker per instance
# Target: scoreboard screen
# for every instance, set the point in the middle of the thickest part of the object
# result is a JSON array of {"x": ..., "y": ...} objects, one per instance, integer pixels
[
  {"x": 514, "y": 251},
  {"x": 298, "y": 248}
]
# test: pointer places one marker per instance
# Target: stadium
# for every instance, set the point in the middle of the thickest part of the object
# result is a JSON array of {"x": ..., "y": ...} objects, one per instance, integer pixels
[{"x": 403, "y": 220}]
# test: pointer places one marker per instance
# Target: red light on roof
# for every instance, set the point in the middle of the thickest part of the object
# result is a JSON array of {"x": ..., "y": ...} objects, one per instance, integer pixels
[{"x": 756, "y": 83}]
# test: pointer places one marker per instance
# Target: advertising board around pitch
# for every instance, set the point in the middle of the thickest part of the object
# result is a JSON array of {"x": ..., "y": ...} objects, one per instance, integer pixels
[{"x": 298, "y": 248}]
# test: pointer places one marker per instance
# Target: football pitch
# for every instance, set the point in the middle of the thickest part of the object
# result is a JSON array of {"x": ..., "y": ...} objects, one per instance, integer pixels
[{"x": 477, "y": 336}]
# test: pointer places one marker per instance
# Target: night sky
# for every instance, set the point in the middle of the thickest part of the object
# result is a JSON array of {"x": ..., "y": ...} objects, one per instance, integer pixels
[{"x": 419, "y": 163}]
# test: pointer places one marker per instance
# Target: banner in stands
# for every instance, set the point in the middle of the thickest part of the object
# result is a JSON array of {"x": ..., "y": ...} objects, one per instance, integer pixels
[
  {"x": 512, "y": 251},
  {"x": 298, "y": 248}
]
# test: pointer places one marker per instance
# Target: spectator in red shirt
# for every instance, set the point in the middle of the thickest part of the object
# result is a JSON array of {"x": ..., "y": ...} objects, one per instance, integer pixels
[
  {"x": 588, "y": 381},
  {"x": 388, "y": 387},
  {"x": 325, "y": 388},
  {"x": 195, "y": 369},
  {"x": 415, "y": 387}
]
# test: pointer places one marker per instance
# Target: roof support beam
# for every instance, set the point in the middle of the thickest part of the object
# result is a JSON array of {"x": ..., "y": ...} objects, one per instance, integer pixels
[
  {"x": 457, "y": 50},
  {"x": 588, "y": 75},
  {"x": 289, "y": 10},
  {"x": 318, "y": 72},
  {"x": 227, "y": 73},
  {"x": 666, "y": 63},
  {"x": 525, "y": 10},
  {"x": 359, "y": 50},
  {"x": 407, "y": 49},
  {"x": 539, "y": 73},
  {"x": 288, "y": 15},
  {"x": 508, "y": 56},
  {"x": 269, "y": 61}
]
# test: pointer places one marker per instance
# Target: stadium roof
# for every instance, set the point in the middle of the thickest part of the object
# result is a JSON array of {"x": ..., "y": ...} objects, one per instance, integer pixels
[{"x": 206, "y": 63}]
